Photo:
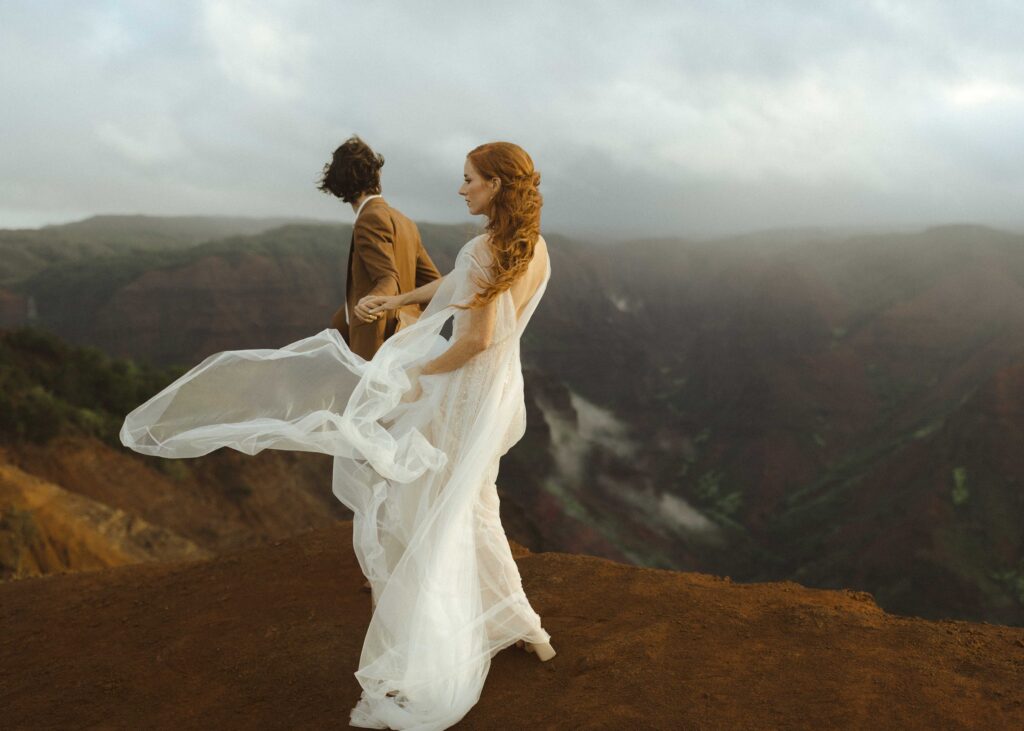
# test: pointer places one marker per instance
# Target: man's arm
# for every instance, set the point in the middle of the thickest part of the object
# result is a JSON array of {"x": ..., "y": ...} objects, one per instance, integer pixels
[
  {"x": 425, "y": 269},
  {"x": 374, "y": 242}
]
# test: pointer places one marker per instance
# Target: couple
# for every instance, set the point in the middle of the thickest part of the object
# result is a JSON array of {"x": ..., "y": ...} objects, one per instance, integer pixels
[{"x": 416, "y": 428}]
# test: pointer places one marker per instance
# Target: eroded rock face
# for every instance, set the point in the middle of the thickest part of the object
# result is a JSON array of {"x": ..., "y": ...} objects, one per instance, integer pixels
[
  {"x": 217, "y": 303},
  {"x": 220, "y": 502},
  {"x": 46, "y": 529}
]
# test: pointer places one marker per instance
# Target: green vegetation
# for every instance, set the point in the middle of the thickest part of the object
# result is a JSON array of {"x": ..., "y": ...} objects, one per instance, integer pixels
[
  {"x": 929, "y": 428},
  {"x": 93, "y": 281},
  {"x": 90, "y": 281},
  {"x": 570, "y": 504},
  {"x": 672, "y": 391},
  {"x": 960, "y": 491},
  {"x": 25, "y": 252},
  {"x": 48, "y": 387},
  {"x": 177, "y": 469},
  {"x": 1012, "y": 580},
  {"x": 708, "y": 485},
  {"x": 712, "y": 498},
  {"x": 891, "y": 390}
]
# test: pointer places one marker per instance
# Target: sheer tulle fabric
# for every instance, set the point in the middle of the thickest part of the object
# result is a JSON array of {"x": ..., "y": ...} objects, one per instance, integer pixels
[{"x": 417, "y": 474}]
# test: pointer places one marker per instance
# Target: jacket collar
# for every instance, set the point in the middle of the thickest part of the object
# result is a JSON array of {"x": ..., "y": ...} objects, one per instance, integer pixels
[{"x": 369, "y": 199}]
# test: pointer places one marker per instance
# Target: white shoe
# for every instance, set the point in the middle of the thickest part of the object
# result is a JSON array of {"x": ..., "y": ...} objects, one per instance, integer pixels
[{"x": 543, "y": 650}]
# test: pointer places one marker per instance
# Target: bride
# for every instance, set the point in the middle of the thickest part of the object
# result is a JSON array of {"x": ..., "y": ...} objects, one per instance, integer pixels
[{"x": 416, "y": 434}]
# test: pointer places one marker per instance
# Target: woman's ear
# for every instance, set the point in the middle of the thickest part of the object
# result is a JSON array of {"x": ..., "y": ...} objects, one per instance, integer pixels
[{"x": 495, "y": 184}]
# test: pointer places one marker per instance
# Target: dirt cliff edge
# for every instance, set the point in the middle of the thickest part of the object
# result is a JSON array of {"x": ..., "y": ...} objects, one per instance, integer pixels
[{"x": 269, "y": 637}]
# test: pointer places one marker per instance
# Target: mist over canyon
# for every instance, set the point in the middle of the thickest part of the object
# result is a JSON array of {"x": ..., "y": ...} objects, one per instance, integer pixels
[{"x": 841, "y": 410}]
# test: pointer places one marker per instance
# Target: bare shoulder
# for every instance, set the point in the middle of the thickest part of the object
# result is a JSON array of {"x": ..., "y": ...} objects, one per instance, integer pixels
[
  {"x": 542, "y": 246},
  {"x": 540, "y": 253},
  {"x": 478, "y": 248}
]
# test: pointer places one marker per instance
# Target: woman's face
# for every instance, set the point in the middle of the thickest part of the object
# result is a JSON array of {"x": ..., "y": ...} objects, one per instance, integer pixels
[{"x": 476, "y": 190}]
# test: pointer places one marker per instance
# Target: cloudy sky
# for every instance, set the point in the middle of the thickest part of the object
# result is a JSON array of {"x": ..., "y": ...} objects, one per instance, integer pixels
[{"x": 679, "y": 118}]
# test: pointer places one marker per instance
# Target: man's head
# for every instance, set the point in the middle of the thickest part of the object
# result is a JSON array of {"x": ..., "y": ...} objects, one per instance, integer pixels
[{"x": 353, "y": 171}]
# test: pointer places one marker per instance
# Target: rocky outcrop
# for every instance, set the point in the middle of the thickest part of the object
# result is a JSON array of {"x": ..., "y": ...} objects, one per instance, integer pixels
[
  {"x": 46, "y": 529},
  {"x": 219, "y": 502}
]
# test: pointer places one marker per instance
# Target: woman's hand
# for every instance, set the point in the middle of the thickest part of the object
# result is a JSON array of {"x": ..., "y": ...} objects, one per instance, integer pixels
[
  {"x": 415, "y": 390},
  {"x": 413, "y": 394},
  {"x": 373, "y": 306},
  {"x": 427, "y": 370}
]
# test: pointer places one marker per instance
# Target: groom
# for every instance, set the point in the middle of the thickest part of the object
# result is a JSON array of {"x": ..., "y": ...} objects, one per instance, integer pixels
[{"x": 385, "y": 256}]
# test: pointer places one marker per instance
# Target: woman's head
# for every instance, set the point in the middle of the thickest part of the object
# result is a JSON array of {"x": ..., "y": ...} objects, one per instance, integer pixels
[
  {"x": 353, "y": 171},
  {"x": 499, "y": 181},
  {"x": 477, "y": 190},
  {"x": 498, "y": 173}
]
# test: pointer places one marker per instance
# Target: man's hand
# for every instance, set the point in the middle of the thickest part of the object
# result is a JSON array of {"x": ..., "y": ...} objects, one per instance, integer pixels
[
  {"x": 373, "y": 306},
  {"x": 363, "y": 314}
]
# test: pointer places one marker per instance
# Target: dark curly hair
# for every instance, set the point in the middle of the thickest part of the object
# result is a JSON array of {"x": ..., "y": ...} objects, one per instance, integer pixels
[{"x": 354, "y": 170}]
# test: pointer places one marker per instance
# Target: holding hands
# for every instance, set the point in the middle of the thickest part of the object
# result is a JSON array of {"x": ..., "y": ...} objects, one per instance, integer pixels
[{"x": 373, "y": 306}]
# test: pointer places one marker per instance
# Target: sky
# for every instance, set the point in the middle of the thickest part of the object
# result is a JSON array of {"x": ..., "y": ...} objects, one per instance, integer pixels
[{"x": 644, "y": 119}]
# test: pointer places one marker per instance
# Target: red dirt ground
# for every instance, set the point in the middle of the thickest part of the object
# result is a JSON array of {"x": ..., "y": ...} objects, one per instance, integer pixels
[{"x": 269, "y": 638}]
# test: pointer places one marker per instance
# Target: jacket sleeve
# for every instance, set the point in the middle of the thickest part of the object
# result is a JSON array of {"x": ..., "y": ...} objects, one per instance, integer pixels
[
  {"x": 425, "y": 269},
  {"x": 374, "y": 242}
]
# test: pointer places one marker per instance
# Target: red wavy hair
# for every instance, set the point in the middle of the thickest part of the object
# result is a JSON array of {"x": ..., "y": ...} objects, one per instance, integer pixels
[{"x": 513, "y": 220}]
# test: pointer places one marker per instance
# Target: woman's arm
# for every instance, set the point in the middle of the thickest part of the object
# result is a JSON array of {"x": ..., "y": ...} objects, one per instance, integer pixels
[
  {"x": 420, "y": 295},
  {"x": 474, "y": 339},
  {"x": 372, "y": 305}
]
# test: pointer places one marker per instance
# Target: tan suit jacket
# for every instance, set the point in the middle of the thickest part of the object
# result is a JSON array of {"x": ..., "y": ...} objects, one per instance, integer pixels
[{"x": 385, "y": 256}]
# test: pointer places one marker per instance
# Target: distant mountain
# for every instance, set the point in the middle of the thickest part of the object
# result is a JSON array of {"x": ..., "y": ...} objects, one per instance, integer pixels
[
  {"x": 126, "y": 230},
  {"x": 838, "y": 411},
  {"x": 23, "y": 252}
]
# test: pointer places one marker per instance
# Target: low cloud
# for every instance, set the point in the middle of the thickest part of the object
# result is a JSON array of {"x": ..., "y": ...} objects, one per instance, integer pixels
[{"x": 663, "y": 118}]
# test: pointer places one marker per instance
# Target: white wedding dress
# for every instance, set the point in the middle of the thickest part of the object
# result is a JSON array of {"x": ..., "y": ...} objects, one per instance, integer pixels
[{"x": 419, "y": 475}]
